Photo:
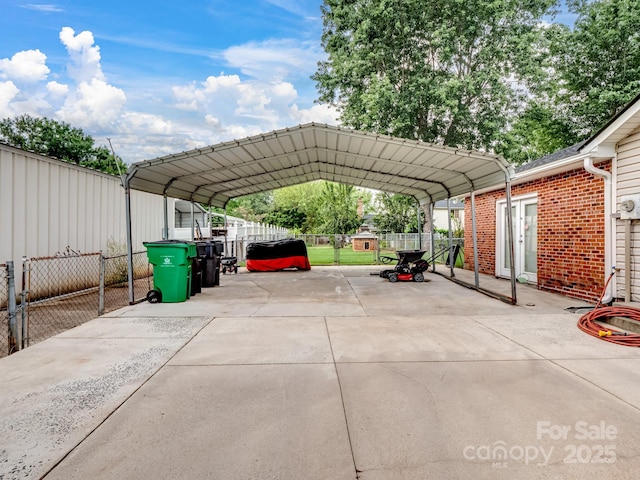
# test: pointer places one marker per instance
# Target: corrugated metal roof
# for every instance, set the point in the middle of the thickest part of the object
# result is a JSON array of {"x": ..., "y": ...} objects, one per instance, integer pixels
[{"x": 213, "y": 175}]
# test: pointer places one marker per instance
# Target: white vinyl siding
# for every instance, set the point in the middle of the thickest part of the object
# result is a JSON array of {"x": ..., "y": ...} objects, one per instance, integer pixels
[
  {"x": 627, "y": 183},
  {"x": 47, "y": 205}
]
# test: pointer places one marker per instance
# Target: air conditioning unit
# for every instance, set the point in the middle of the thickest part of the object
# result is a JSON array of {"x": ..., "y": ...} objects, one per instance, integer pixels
[{"x": 630, "y": 207}]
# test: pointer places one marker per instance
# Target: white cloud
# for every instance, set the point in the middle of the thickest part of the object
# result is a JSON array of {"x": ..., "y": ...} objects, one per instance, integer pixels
[
  {"x": 26, "y": 66},
  {"x": 94, "y": 104},
  {"x": 46, "y": 8},
  {"x": 321, "y": 113},
  {"x": 85, "y": 56},
  {"x": 213, "y": 84},
  {"x": 274, "y": 59},
  {"x": 57, "y": 89},
  {"x": 212, "y": 121},
  {"x": 174, "y": 118},
  {"x": 8, "y": 92},
  {"x": 133, "y": 122}
]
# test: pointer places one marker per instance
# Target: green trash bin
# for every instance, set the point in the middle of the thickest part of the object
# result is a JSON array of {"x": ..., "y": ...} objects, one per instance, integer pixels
[{"x": 171, "y": 260}]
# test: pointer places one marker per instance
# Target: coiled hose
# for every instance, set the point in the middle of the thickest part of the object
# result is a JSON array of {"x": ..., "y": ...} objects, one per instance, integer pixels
[{"x": 587, "y": 322}]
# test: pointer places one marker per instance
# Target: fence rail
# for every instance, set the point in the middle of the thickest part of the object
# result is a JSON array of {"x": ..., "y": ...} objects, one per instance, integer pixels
[
  {"x": 386, "y": 243},
  {"x": 55, "y": 294}
]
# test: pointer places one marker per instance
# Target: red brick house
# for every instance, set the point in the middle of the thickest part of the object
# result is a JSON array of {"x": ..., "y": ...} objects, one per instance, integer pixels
[{"x": 570, "y": 223}]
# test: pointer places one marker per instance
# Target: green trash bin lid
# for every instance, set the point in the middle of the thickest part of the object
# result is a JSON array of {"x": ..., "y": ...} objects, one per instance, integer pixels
[{"x": 170, "y": 252}]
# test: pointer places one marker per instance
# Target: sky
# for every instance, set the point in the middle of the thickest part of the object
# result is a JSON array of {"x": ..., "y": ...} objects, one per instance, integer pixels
[{"x": 166, "y": 76}]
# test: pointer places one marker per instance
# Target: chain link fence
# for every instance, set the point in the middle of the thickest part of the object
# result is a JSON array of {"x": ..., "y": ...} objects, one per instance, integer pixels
[
  {"x": 114, "y": 285},
  {"x": 55, "y": 294}
]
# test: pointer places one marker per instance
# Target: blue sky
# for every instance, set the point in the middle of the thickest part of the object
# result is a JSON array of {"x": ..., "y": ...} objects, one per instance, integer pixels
[{"x": 165, "y": 76}]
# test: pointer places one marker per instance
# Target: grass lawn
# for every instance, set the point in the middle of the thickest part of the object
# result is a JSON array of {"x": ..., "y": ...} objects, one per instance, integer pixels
[{"x": 325, "y": 256}]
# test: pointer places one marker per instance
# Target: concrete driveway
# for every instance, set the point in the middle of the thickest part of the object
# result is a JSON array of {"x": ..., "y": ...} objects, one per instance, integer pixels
[{"x": 329, "y": 374}]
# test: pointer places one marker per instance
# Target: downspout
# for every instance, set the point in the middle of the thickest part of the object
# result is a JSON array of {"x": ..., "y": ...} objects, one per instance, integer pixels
[{"x": 608, "y": 227}]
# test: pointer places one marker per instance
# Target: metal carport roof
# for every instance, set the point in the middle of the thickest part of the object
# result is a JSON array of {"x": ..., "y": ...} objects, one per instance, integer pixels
[{"x": 215, "y": 174}]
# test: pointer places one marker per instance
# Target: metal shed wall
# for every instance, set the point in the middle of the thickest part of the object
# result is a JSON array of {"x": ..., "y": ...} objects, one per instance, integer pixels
[{"x": 47, "y": 205}]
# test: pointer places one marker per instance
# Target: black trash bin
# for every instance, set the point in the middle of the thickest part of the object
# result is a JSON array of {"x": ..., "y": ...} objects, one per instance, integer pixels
[
  {"x": 196, "y": 275},
  {"x": 209, "y": 253}
]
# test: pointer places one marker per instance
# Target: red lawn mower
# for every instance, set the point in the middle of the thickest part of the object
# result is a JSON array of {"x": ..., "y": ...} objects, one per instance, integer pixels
[{"x": 410, "y": 267}]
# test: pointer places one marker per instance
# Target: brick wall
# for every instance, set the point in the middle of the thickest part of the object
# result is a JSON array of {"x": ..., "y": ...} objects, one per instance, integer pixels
[{"x": 570, "y": 232}]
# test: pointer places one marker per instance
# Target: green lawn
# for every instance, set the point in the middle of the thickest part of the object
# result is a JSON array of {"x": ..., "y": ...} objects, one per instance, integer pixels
[{"x": 325, "y": 256}]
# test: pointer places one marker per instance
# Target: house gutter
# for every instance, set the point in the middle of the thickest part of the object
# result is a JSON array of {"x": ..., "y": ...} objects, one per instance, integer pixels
[{"x": 608, "y": 227}]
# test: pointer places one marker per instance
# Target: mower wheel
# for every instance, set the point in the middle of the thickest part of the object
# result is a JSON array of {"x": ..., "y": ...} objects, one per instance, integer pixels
[
  {"x": 154, "y": 296},
  {"x": 224, "y": 270},
  {"x": 235, "y": 269},
  {"x": 418, "y": 277},
  {"x": 393, "y": 277}
]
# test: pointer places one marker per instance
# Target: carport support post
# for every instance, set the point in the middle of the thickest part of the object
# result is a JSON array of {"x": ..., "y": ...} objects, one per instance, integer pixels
[
  {"x": 433, "y": 238},
  {"x": 451, "y": 259},
  {"x": 419, "y": 226},
  {"x": 127, "y": 196},
  {"x": 193, "y": 226},
  {"x": 474, "y": 233},
  {"x": 165, "y": 228},
  {"x": 511, "y": 248}
]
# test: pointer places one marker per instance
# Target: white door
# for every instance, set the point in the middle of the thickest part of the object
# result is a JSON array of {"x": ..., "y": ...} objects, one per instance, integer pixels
[{"x": 524, "y": 212}]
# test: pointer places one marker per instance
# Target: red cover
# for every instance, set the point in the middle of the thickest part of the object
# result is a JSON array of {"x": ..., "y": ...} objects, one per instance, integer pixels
[{"x": 275, "y": 264}]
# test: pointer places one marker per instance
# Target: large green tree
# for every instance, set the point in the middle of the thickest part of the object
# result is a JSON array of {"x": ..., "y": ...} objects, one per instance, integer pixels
[
  {"x": 59, "y": 140},
  {"x": 595, "y": 66},
  {"x": 537, "y": 131},
  {"x": 251, "y": 207},
  {"x": 440, "y": 71},
  {"x": 395, "y": 213},
  {"x": 339, "y": 208}
]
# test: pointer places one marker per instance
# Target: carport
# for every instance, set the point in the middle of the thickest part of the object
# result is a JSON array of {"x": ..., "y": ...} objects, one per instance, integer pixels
[{"x": 215, "y": 174}]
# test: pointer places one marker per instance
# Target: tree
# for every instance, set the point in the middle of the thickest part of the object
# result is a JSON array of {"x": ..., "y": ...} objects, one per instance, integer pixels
[
  {"x": 438, "y": 71},
  {"x": 596, "y": 64},
  {"x": 59, "y": 140},
  {"x": 396, "y": 213},
  {"x": 305, "y": 199},
  {"x": 536, "y": 132},
  {"x": 289, "y": 218},
  {"x": 339, "y": 209},
  {"x": 251, "y": 207}
]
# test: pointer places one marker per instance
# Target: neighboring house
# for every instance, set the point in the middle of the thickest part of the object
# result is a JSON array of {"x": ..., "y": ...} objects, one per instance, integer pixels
[
  {"x": 49, "y": 205},
  {"x": 570, "y": 227},
  {"x": 441, "y": 214},
  {"x": 235, "y": 227}
]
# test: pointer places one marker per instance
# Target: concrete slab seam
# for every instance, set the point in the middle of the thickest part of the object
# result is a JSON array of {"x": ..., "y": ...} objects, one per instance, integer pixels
[
  {"x": 566, "y": 369},
  {"x": 118, "y": 406},
  {"x": 554, "y": 362},
  {"x": 344, "y": 410},
  {"x": 506, "y": 337}
]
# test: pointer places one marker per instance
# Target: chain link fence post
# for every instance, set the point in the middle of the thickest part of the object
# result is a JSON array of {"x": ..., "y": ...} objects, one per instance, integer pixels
[
  {"x": 24, "y": 310},
  {"x": 15, "y": 333},
  {"x": 101, "y": 289}
]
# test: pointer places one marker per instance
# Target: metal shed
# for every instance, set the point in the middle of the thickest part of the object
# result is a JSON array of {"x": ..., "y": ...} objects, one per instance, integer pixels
[{"x": 215, "y": 174}]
